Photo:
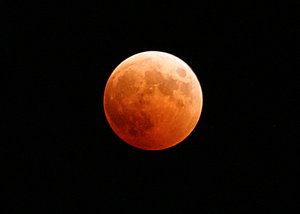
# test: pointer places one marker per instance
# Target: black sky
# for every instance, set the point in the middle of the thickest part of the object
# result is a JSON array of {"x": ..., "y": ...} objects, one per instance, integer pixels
[{"x": 61, "y": 155}]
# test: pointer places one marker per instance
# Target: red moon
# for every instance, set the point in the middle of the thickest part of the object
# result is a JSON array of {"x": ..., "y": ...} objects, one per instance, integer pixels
[{"x": 153, "y": 100}]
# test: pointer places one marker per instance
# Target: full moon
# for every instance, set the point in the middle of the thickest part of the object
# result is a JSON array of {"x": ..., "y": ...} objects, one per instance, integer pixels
[{"x": 153, "y": 100}]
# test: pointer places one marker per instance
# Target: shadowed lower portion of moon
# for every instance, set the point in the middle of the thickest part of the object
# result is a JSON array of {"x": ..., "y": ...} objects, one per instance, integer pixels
[{"x": 153, "y": 100}]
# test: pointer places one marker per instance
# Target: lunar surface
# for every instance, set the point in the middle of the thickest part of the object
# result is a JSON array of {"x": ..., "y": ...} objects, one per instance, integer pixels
[{"x": 153, "y": 100}]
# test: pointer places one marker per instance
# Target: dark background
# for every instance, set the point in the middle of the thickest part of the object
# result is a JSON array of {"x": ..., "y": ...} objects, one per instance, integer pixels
[{"x": 61, "y": 156}]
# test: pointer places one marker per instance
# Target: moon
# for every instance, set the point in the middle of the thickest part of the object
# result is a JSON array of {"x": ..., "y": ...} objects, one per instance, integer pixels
[{"x": 153, "y": 100}]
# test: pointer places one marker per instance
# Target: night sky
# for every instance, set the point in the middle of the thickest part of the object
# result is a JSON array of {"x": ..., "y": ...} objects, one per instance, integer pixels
[{"x": 60, "y": 154}]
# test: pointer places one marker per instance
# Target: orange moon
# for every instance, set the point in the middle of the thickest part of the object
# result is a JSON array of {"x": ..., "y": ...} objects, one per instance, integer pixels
[{"x": 153, "y": 100}]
